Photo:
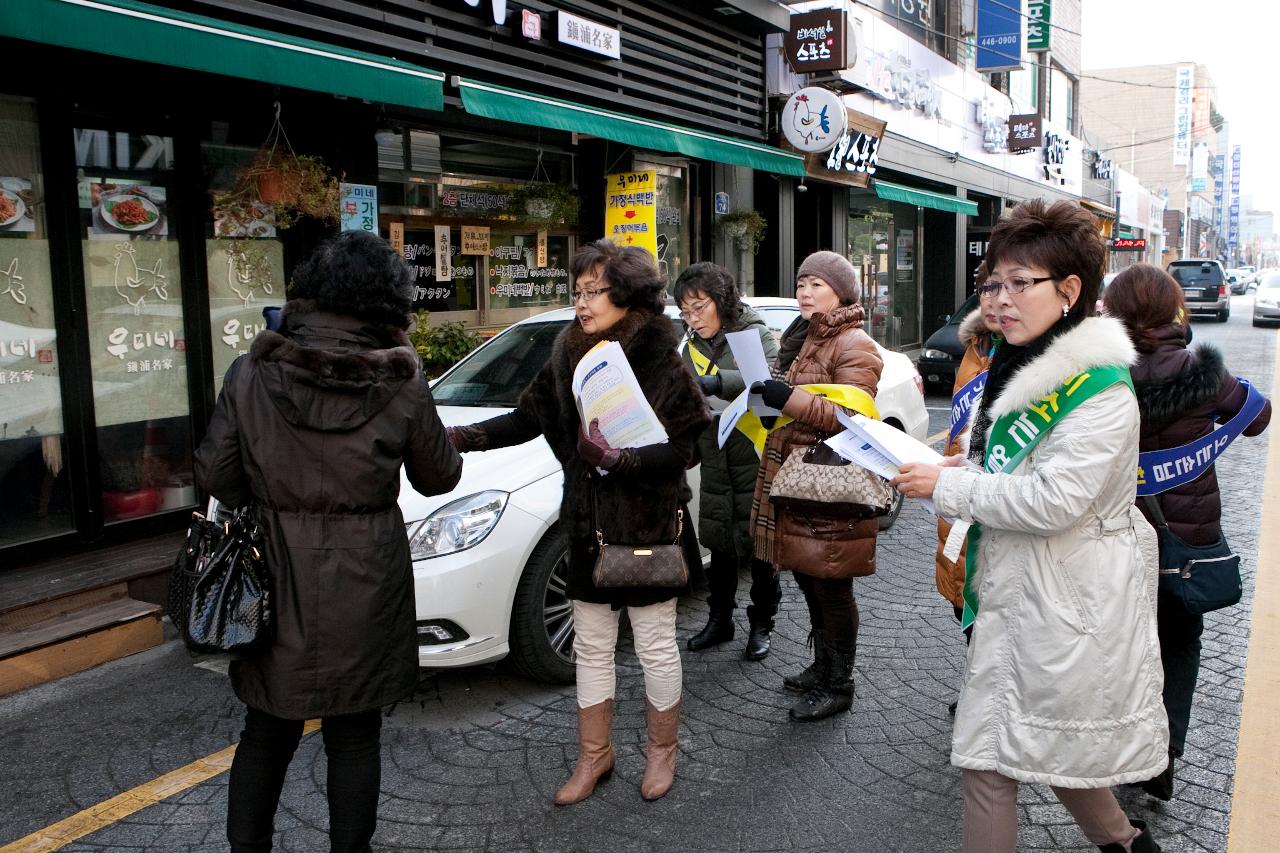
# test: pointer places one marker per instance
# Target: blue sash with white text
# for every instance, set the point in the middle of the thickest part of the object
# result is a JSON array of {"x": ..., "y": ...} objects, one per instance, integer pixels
[
  {"x": 1162, "y": 470},
  {"x": 962, "y": 405}
]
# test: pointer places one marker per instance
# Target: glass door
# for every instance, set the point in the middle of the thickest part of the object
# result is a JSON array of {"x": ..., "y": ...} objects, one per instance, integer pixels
[
  {"x": 35, "y": 495},
  {"x": 133, "y": 293}
]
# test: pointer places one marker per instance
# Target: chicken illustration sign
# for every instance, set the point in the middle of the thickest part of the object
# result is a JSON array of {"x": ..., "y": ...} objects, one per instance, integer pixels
[
  {"x": 813, "y": 119},
  {"x": 631, "y": 208}
]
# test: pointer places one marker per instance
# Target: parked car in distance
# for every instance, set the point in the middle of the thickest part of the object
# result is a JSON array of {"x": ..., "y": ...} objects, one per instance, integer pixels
[
  {"x": 489, "y": 558},
  {"x": 1266, "y": 299},
  {"x": 1106, "y": 281},
  {"x": 1238, "y": 280},
  {"x": 943, "y": 351},
  {"x": 1257, "y": 279},
  {"x": 1204, "y": 286}
]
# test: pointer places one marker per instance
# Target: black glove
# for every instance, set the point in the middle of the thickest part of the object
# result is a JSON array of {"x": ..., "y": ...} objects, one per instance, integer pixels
[
  {"x": 774, "y": 392},
  {"x": 711, "y": 384}
]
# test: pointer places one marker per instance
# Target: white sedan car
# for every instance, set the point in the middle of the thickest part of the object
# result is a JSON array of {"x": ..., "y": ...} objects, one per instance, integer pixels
[{"x": 489, "y": 558}]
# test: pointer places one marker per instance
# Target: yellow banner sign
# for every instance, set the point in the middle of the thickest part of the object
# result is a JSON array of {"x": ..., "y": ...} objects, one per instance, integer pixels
[{"x": 631, "y": 209}]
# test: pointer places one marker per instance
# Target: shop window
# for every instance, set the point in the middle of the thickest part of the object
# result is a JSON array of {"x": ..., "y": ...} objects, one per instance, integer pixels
[
  {"x": 674, "y": 242},
  {"x": 138, "y": 348},
  {"x": 35, "y": 499}
]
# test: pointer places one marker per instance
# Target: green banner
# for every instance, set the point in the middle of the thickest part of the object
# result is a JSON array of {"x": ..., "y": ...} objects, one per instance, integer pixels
[{"x": 1038, "y": 26}]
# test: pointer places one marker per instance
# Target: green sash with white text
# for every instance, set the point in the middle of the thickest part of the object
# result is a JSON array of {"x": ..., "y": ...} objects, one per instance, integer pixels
[{"x": 1014, "y": 436}]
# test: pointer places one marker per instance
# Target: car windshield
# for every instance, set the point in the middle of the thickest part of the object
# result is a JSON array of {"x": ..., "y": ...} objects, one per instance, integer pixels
[
  {"x": 496, "y": 373},
  {"x": 966, "y": 308}
]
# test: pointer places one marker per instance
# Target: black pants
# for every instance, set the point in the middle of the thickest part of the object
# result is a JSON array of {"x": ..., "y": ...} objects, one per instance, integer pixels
[
  {"x": 832, "y": 610},
  {"x": 1179, "y": 630},
  {"x": 722, "y": 579},
  {"x": 267, "y": 744}
]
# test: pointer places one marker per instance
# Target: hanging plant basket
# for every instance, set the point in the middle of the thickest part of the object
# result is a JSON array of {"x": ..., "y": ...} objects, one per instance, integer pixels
[
  {"x": 746, "y": 228},
  {"x": 291, "y": 185},
  {"x": 544, "y": 204}
]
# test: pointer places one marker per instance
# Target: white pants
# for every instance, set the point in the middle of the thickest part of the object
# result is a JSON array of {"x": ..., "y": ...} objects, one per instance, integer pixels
[{"x": 595, "y": 644}]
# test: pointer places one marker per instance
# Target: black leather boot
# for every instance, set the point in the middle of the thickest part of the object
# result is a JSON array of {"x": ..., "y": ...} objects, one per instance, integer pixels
[
  {"x": 1161, "y": 787},
  {"x": 833, "y": 695},
  {"x": 1143, "y": 843},
  {"x": 758, "y": 641},
  {"x": 719, "y": 629},
  {"x": 814, "y": 673}
]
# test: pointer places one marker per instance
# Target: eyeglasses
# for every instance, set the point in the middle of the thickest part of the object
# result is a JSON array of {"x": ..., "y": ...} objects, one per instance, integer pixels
[
  {"x": 1013, "y": 286},
  {"x": 588, "y": 295},
  {"x": 695, "y": 309}
]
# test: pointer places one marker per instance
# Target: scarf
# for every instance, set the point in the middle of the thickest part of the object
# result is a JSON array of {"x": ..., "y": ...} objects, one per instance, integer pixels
[{"x": 1007, "y": 361}]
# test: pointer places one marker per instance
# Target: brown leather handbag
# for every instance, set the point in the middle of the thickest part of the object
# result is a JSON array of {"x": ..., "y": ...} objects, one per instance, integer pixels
[
  {"x": 641, "y": 565},
  {"x": 818, "y": 480}
]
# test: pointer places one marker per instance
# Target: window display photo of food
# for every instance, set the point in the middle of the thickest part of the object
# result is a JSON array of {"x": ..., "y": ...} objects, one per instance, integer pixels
[
  {"x": 127, "y": 209},
  {"x": 16, "y": 199}
]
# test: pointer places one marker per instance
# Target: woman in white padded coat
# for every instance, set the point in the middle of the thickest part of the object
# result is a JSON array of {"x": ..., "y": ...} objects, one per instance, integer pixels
[{"x": 1063, "y": 680}]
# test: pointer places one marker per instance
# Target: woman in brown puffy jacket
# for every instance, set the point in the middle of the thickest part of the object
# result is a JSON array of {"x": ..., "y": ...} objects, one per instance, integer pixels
[
  {"x": 826, "y": 345},
  {"x": 1181, "y": 394}
]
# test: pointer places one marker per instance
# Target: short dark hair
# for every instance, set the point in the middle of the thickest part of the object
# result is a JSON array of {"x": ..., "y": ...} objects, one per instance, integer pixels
[
  {"x": 1144, "y": 298},
  {"x": 631, "y": 272},
  {"x": 718, "y": 284},
  {"x": 1061, "y": 237},
  {"x": 357, "y": 274}
]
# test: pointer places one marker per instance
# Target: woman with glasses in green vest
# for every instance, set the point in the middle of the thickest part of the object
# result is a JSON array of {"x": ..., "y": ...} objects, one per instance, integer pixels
[{"x": 1062, "y": 682}]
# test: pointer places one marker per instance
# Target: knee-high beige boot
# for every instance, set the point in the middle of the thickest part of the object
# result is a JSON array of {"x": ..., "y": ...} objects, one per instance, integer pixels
[
  {"x": 660, "y": 763},
  {"x": 595, "y": 753}
]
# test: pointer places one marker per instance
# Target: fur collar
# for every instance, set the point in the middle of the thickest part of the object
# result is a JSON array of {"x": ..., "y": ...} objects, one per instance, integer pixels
[
  {"x": 841, "y": 318},
  {"x": 1094, "y": 342},
  {"x": 973, "y": 332},
  {"x": 1196, "y": 383},
  {"x": 573, "y": 343}
]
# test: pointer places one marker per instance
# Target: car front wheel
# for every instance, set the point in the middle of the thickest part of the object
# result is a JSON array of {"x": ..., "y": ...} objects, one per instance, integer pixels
[{"x": 541, "y": 635}]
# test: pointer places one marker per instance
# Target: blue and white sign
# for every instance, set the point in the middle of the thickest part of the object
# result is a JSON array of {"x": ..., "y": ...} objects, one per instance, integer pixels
[
  {"x": 1183, "y": 82},
  {"x": 722, "y": 204},
  {"x": 1233, "y": 214},
  {"x": 1000, "y": 34},
  {"x": 359, "y": 207}
]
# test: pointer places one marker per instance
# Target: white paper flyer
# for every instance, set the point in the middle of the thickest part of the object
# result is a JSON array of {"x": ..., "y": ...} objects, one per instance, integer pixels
[{"x": 606, "y": 390}]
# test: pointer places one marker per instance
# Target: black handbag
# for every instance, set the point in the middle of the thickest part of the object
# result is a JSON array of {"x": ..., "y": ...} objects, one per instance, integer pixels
[
  {"x": 1204, "y": 577},
  {"x": 222, "y": 574}
]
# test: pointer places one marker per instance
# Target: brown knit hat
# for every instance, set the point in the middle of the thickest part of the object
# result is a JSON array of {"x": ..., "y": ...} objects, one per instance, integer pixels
[{"x": 836, "y": 271}]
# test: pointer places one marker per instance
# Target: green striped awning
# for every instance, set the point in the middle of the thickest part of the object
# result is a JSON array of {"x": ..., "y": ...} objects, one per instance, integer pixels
[
  {"x": 154, "y": 34},
  {"x": 924, "y": 198},
  {"x": 497, "y": 102}
]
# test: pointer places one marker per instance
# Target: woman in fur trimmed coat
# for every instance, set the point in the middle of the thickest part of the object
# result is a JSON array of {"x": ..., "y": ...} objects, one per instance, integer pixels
[
  {"x": 1062, "y": 680},
  {"x": 1181, "y": 393},
  {"x": 638, "y": 501},
  {"x": 313, "y": 427}
]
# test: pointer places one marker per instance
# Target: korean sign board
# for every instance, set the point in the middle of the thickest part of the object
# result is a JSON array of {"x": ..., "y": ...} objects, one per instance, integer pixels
[
  {"x": 1038, "y": 26},
  {"x": 359, "y": 207},
  {"x": 631, "y": 209},
  {"x": 1129, "y": 244},
  {"x": 818, "y": 41},
  {"x": 1183, "y": 81},
  {"x": 1024, "y": 132},
  {"x": 854, "y": 158},
  {"x": 583, "y": 34},
  {"x": 1000, "y": 31}
]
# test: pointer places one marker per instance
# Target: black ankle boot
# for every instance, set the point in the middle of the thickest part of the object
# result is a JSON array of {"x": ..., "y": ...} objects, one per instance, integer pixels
[
  {"x": 814, "y": 673},
  {"x": 1143, "y": 843},
  {"x": 758, "y": 640},
  {"x": 719, "y": 629},
  {"x": 833, "y": 695},
  {"x": 1161, "y": 787}
]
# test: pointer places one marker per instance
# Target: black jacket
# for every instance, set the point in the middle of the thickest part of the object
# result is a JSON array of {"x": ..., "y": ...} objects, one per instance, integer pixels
[
  {"x": 313, "y": 426},
  {"x": 1181, "y": 394},
  {"x": 636, "y": 502}
]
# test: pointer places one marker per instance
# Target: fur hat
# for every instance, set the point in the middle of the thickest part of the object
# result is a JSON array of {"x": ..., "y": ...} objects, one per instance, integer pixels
[{"x": 836, "y": 271}]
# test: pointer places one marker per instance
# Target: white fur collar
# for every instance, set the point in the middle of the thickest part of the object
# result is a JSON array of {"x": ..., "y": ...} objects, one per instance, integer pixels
[
  {"x": 971, "y": 327},
  {"x": 1093, "y": 343}
]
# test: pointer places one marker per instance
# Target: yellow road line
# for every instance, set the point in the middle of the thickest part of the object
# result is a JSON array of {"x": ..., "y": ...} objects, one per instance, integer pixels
[
  {"x": 1255, "y": 802},
  {"x": 937, "y": 436},
  {"x": 117, "y": 808}
]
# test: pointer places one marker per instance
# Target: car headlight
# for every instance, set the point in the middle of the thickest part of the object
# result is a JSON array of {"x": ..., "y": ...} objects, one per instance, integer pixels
[
  {"x": 456, "y": 526},
  {"x": 937, "y": 355}
]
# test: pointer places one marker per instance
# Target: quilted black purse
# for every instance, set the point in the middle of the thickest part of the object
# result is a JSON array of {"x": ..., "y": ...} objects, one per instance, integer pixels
[
  {"x": 1205, "y": 577},
  {"x": 220, "y": 590}
]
